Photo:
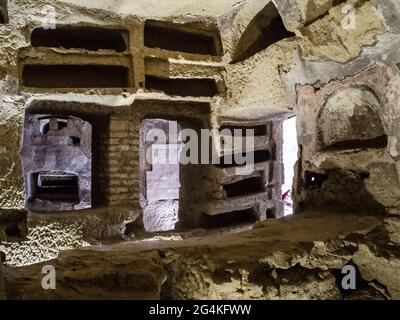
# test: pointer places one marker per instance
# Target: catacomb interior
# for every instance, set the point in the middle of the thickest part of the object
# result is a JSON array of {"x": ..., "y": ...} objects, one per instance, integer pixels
[
  {"x": 75, "y": 76},
  {"x": 232, "y": 148}
]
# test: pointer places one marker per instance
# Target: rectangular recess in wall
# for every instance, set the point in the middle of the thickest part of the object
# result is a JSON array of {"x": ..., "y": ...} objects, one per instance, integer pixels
[
  {"x": 245, "y": 187},
  {"x": 57, "y": 186},
  {"x": 260, "y": 130},
  {"x": 182, "y": 38},
  {"x": 89, "y": 38},
  {"x": 229, "y": 219},
  {"x": 230, "y": 160},
  {"x": 3, "y": 12},
  {"x": 183, "y": 87},
  {"x": 75, "y": 76}
]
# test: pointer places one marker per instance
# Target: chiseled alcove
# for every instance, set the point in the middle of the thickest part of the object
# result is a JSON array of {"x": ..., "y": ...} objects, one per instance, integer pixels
[
  {"x": 57, "y": 162},
  {"x": 351, "y": 118}
]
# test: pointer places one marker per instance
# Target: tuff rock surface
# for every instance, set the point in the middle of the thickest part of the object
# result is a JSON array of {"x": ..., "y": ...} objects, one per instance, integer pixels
[
  {"x": 294, "y": 258},
  {"x": 338, "y": 81}
]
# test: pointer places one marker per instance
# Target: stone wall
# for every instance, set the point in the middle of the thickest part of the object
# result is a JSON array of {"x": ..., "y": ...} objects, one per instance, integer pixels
[
  {"x": 234, "y": 74},
  {"x": 101, "y": 46},
  {"x": 347, "y": 115}
]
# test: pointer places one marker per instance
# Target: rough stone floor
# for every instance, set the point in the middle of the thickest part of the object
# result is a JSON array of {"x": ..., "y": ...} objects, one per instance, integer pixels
[{"x": 298, "y": 257}]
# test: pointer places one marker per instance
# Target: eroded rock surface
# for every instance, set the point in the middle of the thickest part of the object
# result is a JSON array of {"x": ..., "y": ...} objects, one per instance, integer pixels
[
  {"x": 333, "y": 63},
  {"x": 111, "y": 275},
  {"x": 293, "y": 258}
]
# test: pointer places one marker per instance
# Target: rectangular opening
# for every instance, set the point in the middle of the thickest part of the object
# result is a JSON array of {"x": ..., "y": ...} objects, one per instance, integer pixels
[
  {"x": 75, "y": 76},
  {"x": 99, "y": 122},
  {"x": 258, "y": 130},
  {"x": 231, "y": 160},
  {"x": 290, "y": 151},
  {"x": 3, "y": 12},
  {"x": 76, "y": 141},
  {"x": 57, "y": 186},
  {"x": 229, "y": 219},
  {"x": 183, "y": 87},
  {"x": 375, "y": 143},
  {"x": 179, "y": 38},
  {"x": 89, "y": 38},
  {"x": 244, "y": 187}
]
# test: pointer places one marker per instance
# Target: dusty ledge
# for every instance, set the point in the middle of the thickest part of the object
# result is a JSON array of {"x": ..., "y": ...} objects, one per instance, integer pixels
[{"x": 293, "y": 258}]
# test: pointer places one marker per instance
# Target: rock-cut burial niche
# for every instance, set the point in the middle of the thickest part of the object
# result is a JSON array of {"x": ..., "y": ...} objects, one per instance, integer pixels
[
  {"x": 183, "y": 87},
  {"x": 231, "y": 160},
  {"x": 182, "y": 38},
  {"x": 265, "y": 29},
  {"x": 244, "y": 187},
  {"x": 351, "y": 119},
  {"x": 229, "y": 219},
  {"x": 81, "y": 37},
  {"x": 3, "y": 12},
  {"x": 57, "y": 157},
  {"x": 75, "y": 76}
]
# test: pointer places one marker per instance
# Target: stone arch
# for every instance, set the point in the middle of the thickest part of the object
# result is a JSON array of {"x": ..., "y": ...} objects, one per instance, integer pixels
[{"x": 351, "y": 118}]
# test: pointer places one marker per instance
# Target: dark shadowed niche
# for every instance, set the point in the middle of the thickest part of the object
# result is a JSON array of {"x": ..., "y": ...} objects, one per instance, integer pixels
[
  {"x": 265, "y": 29},
  {"x": 3, "y": 12}
]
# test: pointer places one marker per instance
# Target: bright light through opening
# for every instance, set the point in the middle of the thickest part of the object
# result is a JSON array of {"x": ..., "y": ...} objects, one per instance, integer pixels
[{"x": 290, "y": 152}]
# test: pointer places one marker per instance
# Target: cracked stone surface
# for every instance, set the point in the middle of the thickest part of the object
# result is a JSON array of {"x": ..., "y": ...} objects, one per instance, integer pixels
[{"x": 292, "y": 258}]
